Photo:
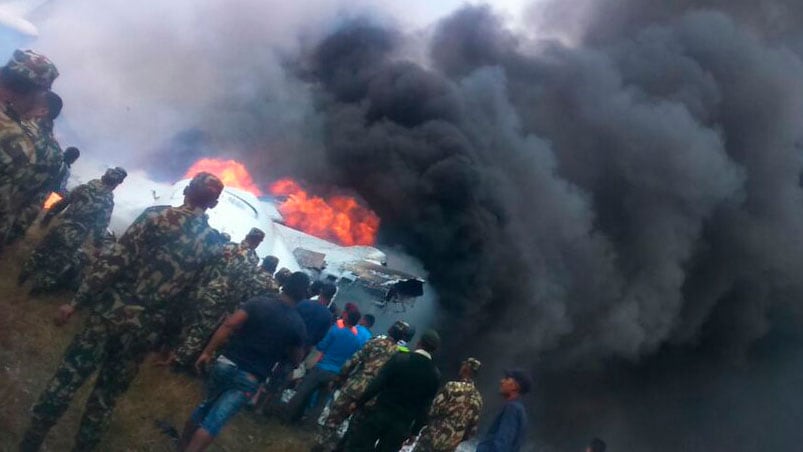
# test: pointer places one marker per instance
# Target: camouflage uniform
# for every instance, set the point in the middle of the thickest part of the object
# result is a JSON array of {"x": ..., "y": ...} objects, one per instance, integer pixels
[
  {"x": 41, "y": 178},
  {"x": 17, "y": 150},
  {"x": 16, "y": 153},
  {"x": 221, "y": 293},
  {"x": 88, "y": 214},
  {"x": 453, "y": 416},
  {"x": 131, "y": 287},
  {"x": 26, "y": 217},
  {"x": 260, "y": 283},
  {"x": 357, "y": 372}
]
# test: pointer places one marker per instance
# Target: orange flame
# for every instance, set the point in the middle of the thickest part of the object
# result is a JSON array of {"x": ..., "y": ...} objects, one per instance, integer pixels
[
  {"x": 338, "y": 218},
  {"x": 52, "y": 199},
  {"x": 231, "y": 172}
]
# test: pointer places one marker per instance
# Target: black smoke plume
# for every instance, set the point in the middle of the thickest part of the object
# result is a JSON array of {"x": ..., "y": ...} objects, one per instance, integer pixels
[{"x": 619, "y": 212}]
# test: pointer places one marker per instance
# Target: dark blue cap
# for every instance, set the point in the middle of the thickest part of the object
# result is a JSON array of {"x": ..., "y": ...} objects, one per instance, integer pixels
[{"x": 522, "y": 378}]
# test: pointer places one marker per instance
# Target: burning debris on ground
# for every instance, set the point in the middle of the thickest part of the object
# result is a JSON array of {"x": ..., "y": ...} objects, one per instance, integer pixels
[{"x": 607, "y": 193}]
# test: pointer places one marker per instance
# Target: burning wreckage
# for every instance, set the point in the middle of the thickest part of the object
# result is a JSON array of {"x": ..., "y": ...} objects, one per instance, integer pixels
[{"x": 360, "y": 271}]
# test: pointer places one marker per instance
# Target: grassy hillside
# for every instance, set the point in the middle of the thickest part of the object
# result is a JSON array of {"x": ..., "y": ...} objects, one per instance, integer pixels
[{"x": 31, "y": 347}]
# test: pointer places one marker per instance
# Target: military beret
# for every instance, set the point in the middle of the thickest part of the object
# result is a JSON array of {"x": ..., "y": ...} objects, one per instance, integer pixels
[{"x": 36, "y": 68}]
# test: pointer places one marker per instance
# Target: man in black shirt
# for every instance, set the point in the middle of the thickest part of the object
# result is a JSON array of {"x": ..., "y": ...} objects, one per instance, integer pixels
[
  {"x": 263, "y": 332},
  {"x": 404, "y": 390}
]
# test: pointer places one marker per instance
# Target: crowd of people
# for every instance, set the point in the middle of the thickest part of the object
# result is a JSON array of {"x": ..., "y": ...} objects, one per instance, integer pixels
[{"x": 172, "y": 284}]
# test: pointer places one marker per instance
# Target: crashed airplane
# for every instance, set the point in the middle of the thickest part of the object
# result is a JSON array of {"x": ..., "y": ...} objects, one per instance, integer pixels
[{"x": 361, "y": 273}]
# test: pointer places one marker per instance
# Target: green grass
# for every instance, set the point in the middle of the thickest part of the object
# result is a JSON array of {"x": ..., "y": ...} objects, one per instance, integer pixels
[{"x": 31, "y": 347}]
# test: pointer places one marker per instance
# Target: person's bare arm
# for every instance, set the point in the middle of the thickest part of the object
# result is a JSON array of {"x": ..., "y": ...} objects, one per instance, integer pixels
[{"x": 231, "y": 324}]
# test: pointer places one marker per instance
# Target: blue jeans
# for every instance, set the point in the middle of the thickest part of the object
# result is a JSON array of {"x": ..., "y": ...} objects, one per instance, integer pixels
[{"x": 228, "y": 390}]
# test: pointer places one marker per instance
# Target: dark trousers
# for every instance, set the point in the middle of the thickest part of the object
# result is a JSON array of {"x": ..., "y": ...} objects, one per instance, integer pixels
[
  {"x": 100, "y": 345},
  {"x": 315, "y": 379},
  {"x": 378, "y": 430}
]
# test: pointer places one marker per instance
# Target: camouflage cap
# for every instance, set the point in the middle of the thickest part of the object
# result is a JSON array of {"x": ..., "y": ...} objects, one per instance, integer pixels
[
  {"x": 473, "y": 363},
  {"x": 207, "y": 180},
  {"x": 115, "y": 175},
  {"x": 205, "y": 188},
  {"x": 37, "y": 69}
]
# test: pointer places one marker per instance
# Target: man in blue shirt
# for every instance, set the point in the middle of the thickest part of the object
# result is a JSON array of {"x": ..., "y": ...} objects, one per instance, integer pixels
[
  {"x": 509, "y": 429},
  {"x": 364, "y": 333},
  {"x": 337, "y": 346},
  {"x": 317, "y": 319}
]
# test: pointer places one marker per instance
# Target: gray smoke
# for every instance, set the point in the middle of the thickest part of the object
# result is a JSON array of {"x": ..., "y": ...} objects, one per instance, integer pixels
[{"x": 610, "y": 198}]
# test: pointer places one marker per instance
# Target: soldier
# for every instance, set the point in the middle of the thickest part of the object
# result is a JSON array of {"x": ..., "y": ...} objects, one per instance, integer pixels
[
  {"x": 58, "y": 184},
  {"x": 60, "y": 255},
  {"x": 252, "y": 240},
  {"x": 221, "y": 291},
  {"x": 43, "y": 177},
  {"x": 23, "y": 80},
  {"x": 355, "y": 375},
  {"x": 71, "y": 155},
  {"x": 131, "y": 286},
  {"x": 261, "y": 282},
  {"x": 454, "y": 413}
]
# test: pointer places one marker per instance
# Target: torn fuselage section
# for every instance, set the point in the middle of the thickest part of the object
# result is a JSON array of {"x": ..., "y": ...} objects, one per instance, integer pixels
[{"x": 390, "y": 289}]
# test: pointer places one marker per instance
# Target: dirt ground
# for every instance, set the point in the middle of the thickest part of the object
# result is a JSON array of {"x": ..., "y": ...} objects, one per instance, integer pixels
[{"x": 31, "y": 347}]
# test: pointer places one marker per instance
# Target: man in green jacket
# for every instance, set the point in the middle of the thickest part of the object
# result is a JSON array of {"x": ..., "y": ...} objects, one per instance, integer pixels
[{"x": 404, "y": 390}]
